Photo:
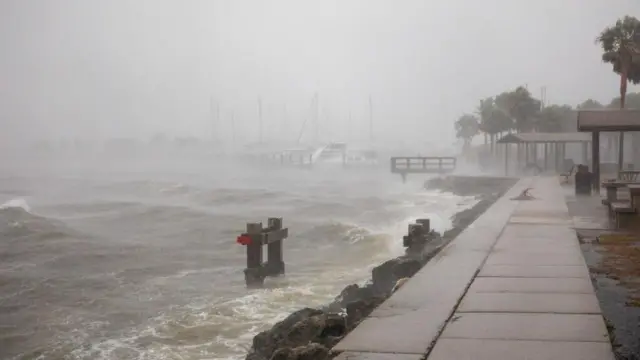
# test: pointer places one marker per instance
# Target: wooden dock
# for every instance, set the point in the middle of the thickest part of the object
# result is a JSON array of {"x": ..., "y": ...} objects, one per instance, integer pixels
[{"x": 405, "y": 165}]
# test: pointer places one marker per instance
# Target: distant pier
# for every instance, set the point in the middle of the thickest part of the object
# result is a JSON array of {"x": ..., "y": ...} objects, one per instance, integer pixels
[{"x": 405, "y": 165}]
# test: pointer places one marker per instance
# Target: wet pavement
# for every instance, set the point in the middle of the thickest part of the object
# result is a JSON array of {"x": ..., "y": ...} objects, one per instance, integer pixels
[{"x": 512, "y": 285}]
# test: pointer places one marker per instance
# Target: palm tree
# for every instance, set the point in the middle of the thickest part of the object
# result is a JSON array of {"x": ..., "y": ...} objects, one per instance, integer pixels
[
  {"x": 467, "y": 126},
  {"x": 589, "y": 104},
  {"x": 554, "y": 118},
  {"x": 621, "y": 46},
  {"x": 521, "y": 107},
  {"x": 493, "y": 121}
]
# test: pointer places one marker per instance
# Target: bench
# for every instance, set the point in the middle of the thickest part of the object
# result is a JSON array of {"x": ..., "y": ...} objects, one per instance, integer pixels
[
  {"x": 634, "y": 195},
  {"x": 623, "y": 213},
  {"x": 611, "y": 191},
  {"x": 629, "y": 176}
]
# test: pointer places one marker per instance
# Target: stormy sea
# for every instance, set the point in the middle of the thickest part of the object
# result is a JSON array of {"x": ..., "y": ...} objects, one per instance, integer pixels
[{"x": 135, "y": 258}]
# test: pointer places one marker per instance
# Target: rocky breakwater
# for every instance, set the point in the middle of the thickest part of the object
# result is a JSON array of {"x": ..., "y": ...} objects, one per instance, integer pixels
[{"x": 309, "y": 334}]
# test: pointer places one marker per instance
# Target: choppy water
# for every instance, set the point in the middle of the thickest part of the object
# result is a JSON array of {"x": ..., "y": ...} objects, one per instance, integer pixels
[{"x": 139, "y": 261}]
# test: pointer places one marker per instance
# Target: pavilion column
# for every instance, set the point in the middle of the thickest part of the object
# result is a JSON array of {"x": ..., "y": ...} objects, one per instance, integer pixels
[
  {"x": 595, "y": 160},
  {"x": 506, "y": 159},
  {"x": 518, "y": 154},
  {"x": 546, "y": 156},
  {"x": 535, "y": 153},
  {"x": 555, "y": 156},
  {"x": 563, "y": 156}
]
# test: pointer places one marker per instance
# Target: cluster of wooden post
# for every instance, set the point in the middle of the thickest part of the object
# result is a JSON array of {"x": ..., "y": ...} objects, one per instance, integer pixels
[
  {"x": 254, "y": 238},
  {"x": 418, "y": 235}
]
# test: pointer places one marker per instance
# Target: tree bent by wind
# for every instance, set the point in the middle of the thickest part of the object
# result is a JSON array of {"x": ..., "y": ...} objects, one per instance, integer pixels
[
  {"x": 621, "y": 48},
  {"x": 467, "y": 127}
]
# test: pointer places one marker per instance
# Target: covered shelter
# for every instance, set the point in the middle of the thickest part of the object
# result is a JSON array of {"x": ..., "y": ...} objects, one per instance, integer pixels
[
  {"x": 553, "y": 143},
  {"x": 597, "y": 121}
]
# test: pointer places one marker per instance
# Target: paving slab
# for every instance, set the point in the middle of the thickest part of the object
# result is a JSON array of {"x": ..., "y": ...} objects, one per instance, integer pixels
[
  {"x": 535, "y": 247},
  {"x": 444, "y": 284},
  {"x": 530, "y": 303},
  {"x": 535, "y": 258},
  {"x": 408, "y": 332},
  {"x": 349, "y": 355},
  {"x": 531, "y": 285},
  {"x": 535, "y": 271},
  {"x": 549, "y": 327},
  {"x": 549, "y": 241},
  {"x": 472, "y": 349},
  {"x": 538, "y": 231},
  {"x": 539, "y": 220}
]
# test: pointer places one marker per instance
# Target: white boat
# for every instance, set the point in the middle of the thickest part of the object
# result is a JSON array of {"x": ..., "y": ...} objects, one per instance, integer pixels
[{"x": 330, "y": 153}]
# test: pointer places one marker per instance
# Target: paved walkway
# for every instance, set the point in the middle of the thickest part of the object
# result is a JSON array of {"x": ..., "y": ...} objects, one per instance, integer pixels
[{"x": 514, "y": 285}]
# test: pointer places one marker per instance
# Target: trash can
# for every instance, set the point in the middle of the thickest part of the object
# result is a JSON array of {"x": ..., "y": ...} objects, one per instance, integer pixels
[{"x": 583, "y": 180}]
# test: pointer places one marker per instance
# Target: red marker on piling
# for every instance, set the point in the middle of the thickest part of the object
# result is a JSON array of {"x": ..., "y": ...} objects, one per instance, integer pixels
[{"x": 243, "y": 240}]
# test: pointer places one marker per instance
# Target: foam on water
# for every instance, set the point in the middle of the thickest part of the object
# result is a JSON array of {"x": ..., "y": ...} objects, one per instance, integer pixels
[
  {"x": 16, "y": 203},
  {"x": 222, "y": 328}
]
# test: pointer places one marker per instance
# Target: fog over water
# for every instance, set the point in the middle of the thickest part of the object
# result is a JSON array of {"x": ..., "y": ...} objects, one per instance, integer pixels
[
  {"x": 122, "y": 188},
  {"x": 98, "y": 69}
]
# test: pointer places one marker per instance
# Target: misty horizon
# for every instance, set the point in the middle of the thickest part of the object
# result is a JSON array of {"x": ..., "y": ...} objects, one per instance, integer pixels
[{"x": 120, "y": 69}]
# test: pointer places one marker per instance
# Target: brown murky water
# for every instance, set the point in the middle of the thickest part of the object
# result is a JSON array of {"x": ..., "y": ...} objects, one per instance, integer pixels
[{"x": 139, "y": 261}]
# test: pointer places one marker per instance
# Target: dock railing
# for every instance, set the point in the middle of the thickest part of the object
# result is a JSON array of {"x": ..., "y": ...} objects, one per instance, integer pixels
[{"x": 404, "y": 165}]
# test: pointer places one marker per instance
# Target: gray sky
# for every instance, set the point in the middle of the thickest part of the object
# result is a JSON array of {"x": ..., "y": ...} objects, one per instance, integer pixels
[{"x": 98, "y": 68}]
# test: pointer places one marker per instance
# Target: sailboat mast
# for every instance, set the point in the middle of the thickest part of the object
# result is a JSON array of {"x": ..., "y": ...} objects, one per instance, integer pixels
[
  {"x": 233, "y": 126},
  {"x": 349, "y": 127},
  {"x": 316, "y": 118},
  {"x": 213, "y": 124},
  {"x": 370, "y": 119},
  {"x": 260, "y": 117},
  {"x": 285, "y": 122}
]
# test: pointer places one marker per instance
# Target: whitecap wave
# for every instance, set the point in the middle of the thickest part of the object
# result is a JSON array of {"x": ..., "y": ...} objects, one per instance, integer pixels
[{"x": 16, "y": 203}]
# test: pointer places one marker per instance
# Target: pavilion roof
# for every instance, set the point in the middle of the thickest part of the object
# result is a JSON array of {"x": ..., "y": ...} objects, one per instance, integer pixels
[{"x": 563, "y": 137}]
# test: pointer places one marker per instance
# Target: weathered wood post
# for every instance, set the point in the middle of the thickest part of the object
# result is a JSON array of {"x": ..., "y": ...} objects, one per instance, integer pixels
[
  {"x": 426, "y": 224},
  {"x": 274, "y": 239},
  {"x": 252, "y": 239},
  {"x": 417, "y": 235}
]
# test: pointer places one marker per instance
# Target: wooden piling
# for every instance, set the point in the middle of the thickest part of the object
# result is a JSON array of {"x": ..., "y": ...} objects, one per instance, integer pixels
[
  {"x": 426, "y": 224},
  {"x": 417, "y": 234},
  {"x": 254, "y": 238},
  {"x": 253, "y": 273},
  {"x": 274, "y": 249}
]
